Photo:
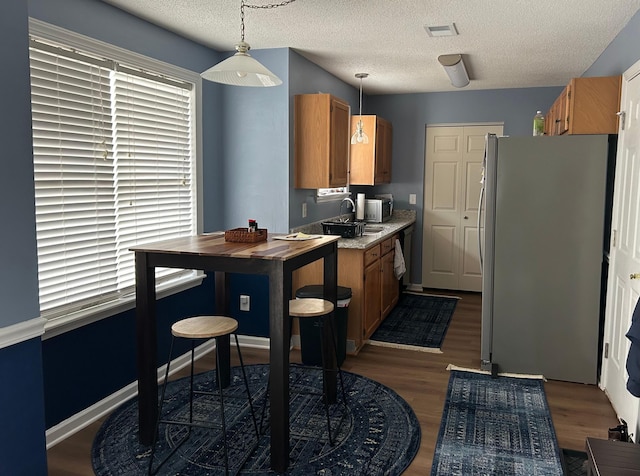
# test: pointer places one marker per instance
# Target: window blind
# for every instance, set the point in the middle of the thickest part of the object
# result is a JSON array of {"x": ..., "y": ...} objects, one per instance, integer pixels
[{"x": 113, "y": 168}]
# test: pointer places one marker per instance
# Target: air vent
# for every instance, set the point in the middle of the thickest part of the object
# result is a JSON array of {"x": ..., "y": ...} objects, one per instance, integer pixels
[{"x": 442, "y": 30}]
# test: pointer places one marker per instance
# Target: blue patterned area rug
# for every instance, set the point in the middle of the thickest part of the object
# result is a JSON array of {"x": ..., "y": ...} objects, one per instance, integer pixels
[
  {"x": 498, "y": 426},
  {"x": 379, "y": 435},
  {"x": 418, "y": 322}
]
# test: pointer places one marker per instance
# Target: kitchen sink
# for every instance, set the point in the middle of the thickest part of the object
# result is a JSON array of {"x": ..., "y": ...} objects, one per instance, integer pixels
[{"x": 372, "y": 229}]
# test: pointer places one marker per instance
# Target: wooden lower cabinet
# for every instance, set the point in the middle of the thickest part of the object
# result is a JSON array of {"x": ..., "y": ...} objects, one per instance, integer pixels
[
  {"x": 374, "y": 288},
  {"x": 390, "y": 288},
  {"x": 371, "y": 284}
]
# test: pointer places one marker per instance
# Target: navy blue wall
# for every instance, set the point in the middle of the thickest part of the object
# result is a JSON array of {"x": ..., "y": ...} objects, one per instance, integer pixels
[{"x": 22, "y": 437}]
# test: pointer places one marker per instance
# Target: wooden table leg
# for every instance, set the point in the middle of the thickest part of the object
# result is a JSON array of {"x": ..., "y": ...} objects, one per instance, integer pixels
[
  {"x": 279, "y": 295},
  {"x": 223, "y": 342}
]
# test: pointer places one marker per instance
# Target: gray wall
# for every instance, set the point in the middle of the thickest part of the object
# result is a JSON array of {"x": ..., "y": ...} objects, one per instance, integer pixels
[
  {"x": 307, "y": 78},
  {"x": 621, "y": 53},
  {"x": 18, "y": 275},
  {"x": 22, "y": 449},
  {"x": 411, "y": 113},
  {"x": 255, "y": 133}
]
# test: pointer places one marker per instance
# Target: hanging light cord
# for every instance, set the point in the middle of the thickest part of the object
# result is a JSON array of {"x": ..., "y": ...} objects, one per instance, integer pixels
[
  {"x": 361, "y": 96},
  {"x": 268, "y": 6}
]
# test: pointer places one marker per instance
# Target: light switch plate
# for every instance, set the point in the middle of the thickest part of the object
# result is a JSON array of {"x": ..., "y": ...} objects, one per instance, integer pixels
[
  {"x": 412, "y": 199},
  {"x": 245, "y": 302}
]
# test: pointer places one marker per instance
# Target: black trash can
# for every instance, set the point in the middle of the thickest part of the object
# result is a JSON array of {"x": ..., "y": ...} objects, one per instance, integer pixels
[{"x": 310, "y": 333}]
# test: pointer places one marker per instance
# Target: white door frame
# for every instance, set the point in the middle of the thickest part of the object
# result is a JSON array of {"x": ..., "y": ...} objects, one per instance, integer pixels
[{"x": 619, "y": 305}]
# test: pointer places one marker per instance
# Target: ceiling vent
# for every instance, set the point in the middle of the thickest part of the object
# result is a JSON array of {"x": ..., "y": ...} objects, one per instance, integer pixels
[{"x": 441, "y": 30}]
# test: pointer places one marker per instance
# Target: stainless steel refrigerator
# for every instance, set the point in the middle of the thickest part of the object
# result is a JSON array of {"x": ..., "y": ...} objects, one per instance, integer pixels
[{"x": 546, "y": 227}]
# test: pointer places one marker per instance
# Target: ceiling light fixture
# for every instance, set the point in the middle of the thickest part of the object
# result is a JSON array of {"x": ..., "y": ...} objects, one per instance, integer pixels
[
  {"x": 360, "y": 136},
  {"x": 454, "y": 66},
  {"x": 241, "y": 69}
]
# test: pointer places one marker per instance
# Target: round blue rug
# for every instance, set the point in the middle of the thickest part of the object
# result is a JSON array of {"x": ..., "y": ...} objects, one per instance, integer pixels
[{"x": 377, "y": 433}]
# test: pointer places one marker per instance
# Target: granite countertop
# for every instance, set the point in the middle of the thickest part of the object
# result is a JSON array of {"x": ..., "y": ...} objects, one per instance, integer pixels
[{"x": 399, "y": 220}]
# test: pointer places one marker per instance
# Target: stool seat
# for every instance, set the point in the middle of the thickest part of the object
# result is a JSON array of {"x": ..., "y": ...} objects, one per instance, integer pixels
[
  {"x": 309, "y": 307},
  {"x": 204, "y": 327}
]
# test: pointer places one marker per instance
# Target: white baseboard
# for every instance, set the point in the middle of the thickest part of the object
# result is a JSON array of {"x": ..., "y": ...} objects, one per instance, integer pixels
[
  {"x": 81, "y": 420},
  {"x": 416, "y": 288}
]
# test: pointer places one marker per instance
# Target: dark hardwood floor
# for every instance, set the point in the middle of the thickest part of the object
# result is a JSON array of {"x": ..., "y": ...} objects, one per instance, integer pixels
[{"x": 421, "y": 379}]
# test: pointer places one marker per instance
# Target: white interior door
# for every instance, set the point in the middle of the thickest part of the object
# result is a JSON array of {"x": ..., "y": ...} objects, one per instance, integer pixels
[
  {"x": 623, "y": 292},
  {"x": 453, "y": 167}
]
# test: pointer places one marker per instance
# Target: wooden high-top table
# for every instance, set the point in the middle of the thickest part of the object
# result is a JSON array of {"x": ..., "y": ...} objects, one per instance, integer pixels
[{"x": 276, "y": 259}]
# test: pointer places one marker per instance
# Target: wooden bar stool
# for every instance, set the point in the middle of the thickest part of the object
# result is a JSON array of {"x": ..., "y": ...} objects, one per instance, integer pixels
[
  {"x": 320, "y": 310},
  {"x": 198, "y": 328}
]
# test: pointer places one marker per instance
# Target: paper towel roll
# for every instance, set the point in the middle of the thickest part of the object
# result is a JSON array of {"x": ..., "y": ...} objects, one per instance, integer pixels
[{"x": 360, "y": 207}]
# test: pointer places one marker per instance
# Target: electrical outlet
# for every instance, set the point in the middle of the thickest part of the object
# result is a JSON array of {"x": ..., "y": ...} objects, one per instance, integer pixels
[
  {"x": 412, "y": 199},
  {"x": 304, "y": 210},
  {"x": 245, "y": 302}
]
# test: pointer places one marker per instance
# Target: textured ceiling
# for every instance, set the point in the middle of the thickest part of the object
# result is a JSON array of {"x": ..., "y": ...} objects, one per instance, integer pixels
[{"x": 505, "y": 43}]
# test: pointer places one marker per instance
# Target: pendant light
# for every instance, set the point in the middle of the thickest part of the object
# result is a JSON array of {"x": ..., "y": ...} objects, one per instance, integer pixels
[
  {"x": 360, "y": 136},
  {"x": 241, "y": 69}
]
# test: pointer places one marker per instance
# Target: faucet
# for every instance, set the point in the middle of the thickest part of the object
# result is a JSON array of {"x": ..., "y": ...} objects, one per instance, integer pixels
[{"x": 353, "y": 206}]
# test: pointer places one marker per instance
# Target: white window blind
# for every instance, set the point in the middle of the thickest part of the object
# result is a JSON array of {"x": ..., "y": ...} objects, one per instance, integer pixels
[{"x": 113, "y": 168}]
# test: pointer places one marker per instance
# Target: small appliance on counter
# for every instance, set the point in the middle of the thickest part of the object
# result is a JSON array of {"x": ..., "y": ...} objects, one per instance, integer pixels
[
  {"x": 345, "y": 229},
  {"x": 378, "y": 210}
]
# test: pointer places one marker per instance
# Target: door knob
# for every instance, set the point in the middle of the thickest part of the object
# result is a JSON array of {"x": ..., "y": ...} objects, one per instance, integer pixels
[{"x": 634, "y": 276}]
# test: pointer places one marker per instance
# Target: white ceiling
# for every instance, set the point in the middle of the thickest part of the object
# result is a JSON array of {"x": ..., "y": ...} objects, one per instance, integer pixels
[{"x": 505, "y": 43}]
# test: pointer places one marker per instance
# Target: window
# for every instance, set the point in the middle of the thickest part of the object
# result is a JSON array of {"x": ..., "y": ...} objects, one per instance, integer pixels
[
  {"x": 332, "y": 194},
  {"x": 114, "y": 166}
]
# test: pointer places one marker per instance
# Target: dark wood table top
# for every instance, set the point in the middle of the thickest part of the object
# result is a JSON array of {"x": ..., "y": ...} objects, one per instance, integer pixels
[
  {"x": 214, "y": 244},
  {"x": 613, "y": 458}
]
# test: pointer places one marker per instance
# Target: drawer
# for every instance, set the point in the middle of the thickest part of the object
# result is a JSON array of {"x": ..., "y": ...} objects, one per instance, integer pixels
[
  {"x": 371, "y": 255},
  {"x": 388, "y": 245}
]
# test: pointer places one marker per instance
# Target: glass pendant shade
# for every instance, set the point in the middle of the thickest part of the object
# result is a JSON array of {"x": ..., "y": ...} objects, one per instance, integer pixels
[
  {"x": 241, "y": 70},
  {"x": 359, "y": 136}
]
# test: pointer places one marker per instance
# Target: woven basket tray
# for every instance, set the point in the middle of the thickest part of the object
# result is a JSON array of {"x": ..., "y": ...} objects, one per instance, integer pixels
[{"x": 242, "y": 235}]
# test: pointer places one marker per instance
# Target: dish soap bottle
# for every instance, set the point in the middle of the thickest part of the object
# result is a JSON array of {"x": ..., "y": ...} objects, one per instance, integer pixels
[{"x": 538, "y": 124}]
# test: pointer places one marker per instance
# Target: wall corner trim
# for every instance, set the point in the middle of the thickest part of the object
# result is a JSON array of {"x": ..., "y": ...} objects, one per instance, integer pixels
[{"x": 22, "y": 331}]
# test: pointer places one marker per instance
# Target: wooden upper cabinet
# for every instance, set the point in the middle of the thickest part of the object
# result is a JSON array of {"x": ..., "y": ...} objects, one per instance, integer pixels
[
  {"x": 371, "y": 162},
  {"x": 321, "y": 141},
  {"x": 586, "y": 106}
]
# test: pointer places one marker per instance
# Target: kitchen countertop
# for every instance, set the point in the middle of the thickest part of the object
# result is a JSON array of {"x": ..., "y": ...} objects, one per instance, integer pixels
[{"x": 399, "y": 220}]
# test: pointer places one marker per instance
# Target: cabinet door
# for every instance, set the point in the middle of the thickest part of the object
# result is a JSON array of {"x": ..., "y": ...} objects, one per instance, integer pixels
[
  {"x": 339, "y": 160},
  {"x": 383, "y": 151},
  {"x": 372, "y": 303},
  {"x": 562, "y": 120},
  {"x": 593, "y": 104},
  {"x": 321, "y": 142}
]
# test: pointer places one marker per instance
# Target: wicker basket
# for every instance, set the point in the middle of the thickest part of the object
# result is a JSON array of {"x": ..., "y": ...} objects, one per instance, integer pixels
[{"x": 242, "y": 235}]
